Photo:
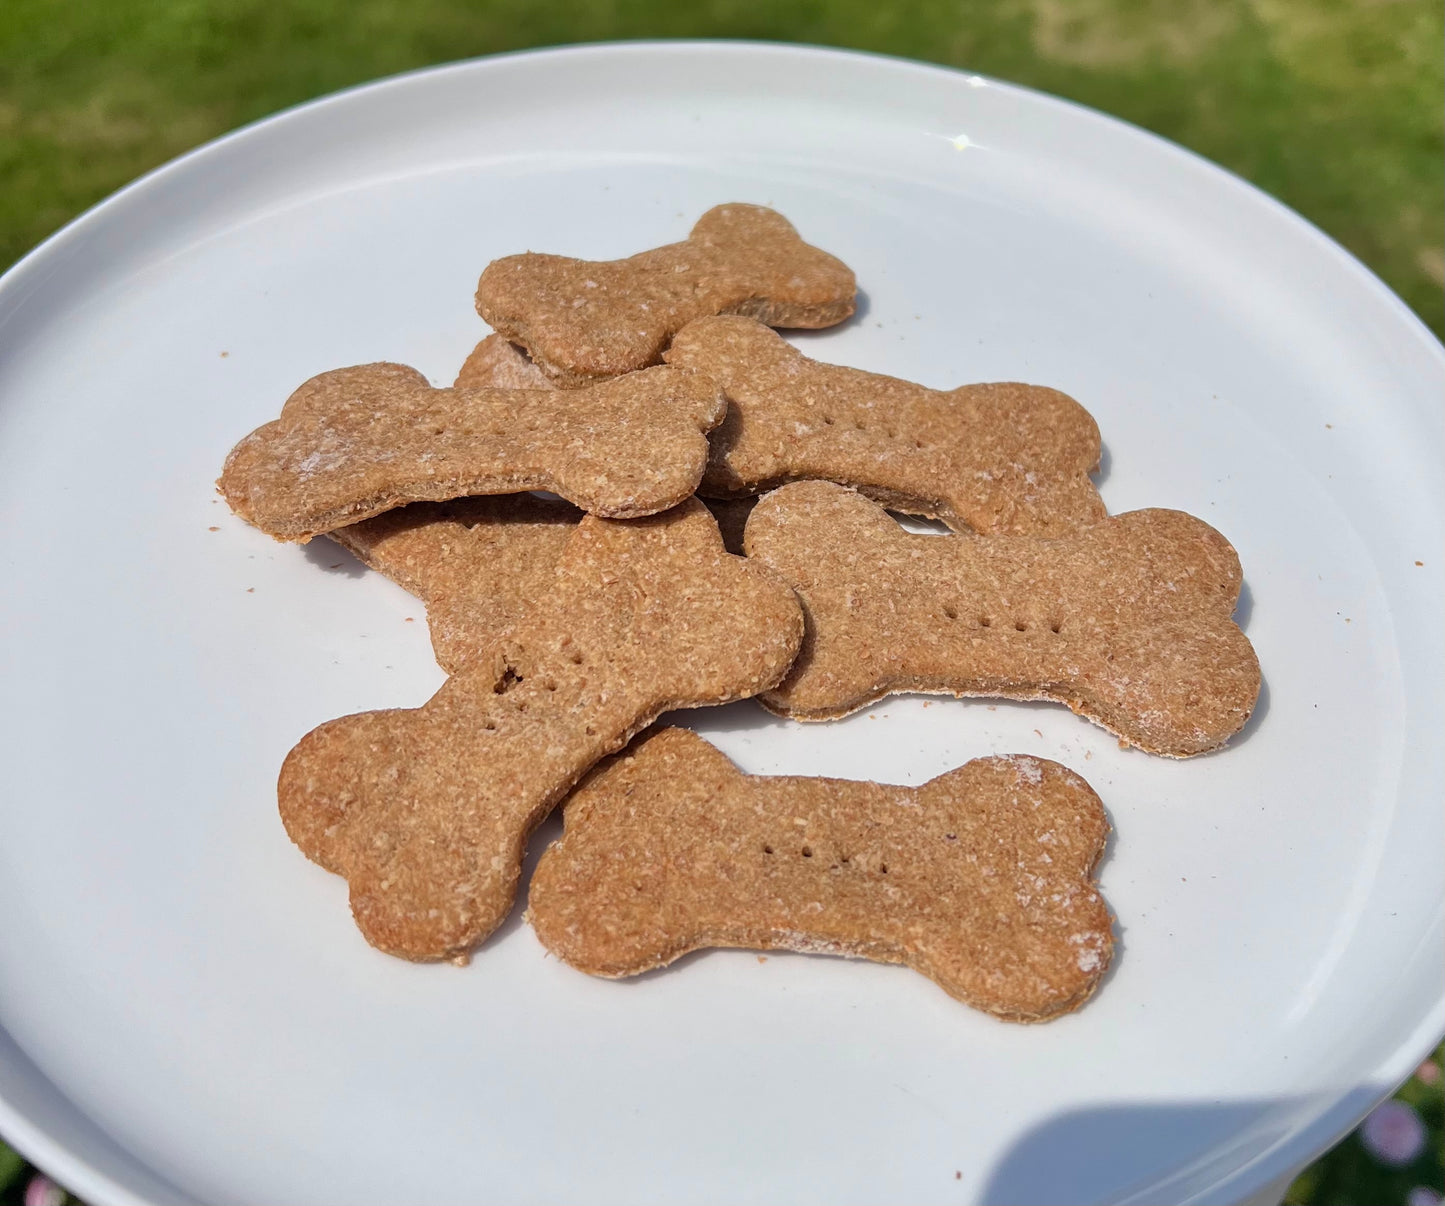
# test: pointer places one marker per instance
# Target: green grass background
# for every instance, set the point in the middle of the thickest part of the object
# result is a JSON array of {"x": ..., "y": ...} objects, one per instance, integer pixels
[{"x": 1333, "y": 106}]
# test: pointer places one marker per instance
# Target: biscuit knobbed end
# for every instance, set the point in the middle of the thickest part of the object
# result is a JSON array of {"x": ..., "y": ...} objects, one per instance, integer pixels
[
  {"x": 426, "y": 811},
  {"x": 1002, "y": 457},
  {"x": 583, "y": 321},
  {"x": 1128, "y": 622},
  {"x": 476, "y": 563},
  {"x": 981, "y": 879},
  {"x": 355, "y": 442},
  {"x": 497, "y": 363}
]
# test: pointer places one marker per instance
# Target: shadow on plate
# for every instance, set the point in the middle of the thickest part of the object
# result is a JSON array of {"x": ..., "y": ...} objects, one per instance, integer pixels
[
  {"x": 1155, "y": 1152},
  {"x": 332, "y": 558}
]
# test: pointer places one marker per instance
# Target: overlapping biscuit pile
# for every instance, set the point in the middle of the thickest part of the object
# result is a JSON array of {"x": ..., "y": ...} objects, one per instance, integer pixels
[{"x": 568, "y": 625}]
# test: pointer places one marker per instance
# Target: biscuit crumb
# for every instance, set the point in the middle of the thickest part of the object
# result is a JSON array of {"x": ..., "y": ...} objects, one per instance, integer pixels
[
  {"x": 762, "y": 958},
  {"x": 1419, "y": 563},
  {"x": 250, "y": 590},
  {"x": 213, "y": 528},
  {"x": 224, "y": 355}
]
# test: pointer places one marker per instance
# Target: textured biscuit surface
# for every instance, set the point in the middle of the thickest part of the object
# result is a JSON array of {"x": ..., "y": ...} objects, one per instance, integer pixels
[
  {"x": 477, "y": 563},
  {"x": 355, "y": 442},
  {"x": 426, "y": 811},
  {"x": 584, "y": 320},
  {"x": 979, "y": 879},
  {"x": 1127, "y": 622},
  {"x": 1001, "y": 457}
]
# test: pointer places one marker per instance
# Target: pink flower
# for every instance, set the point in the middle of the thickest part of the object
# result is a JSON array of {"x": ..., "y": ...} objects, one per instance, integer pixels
[
  {"x": 42, "y": 1191},
  {"x": 1428, "y": 1073},
  {"x": 1393, "y": 1134}
]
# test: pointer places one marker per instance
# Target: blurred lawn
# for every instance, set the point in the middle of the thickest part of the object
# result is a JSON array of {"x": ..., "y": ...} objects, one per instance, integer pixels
[{"x": 1334, "y": 106}]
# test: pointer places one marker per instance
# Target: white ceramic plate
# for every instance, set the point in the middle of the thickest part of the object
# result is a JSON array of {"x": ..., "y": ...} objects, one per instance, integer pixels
[{"x": 188, "y": 1013}]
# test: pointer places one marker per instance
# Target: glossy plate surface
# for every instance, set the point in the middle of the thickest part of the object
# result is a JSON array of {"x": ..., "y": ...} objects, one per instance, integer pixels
[{"x": 188, "y": 1012}]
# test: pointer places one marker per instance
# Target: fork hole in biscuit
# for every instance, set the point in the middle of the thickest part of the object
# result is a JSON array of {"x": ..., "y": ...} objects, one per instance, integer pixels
[
  {"x": 883, "y": 867},
  {"x": 951, "y": 612},
  {"x": 984, "y": 622},
  {"x": 807, "y": 852},
  {"x": 576, "y": 658},
  {"x": 827, "y": 420},
  {"x": 549, "y": 684},
  {"x": 767, "y": 849},
  {"x": 1055, "y": 626},
  {"x": 1021, "y": 626}
]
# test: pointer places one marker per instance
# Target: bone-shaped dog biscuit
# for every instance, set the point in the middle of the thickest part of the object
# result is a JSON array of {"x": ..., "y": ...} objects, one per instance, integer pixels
[
  {"x": 585, "y": 320},
  {"x": 355, "y": 442},
  {"x": 426, "y": 811},
  {"x": 991, "y": 458},
  {"x": 979, "y": 879},
  {"x": 1127, "y": 622}
]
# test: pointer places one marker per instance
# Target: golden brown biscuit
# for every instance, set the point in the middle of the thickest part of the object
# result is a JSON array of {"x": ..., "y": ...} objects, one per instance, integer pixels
[
  {"x": 426, "y": 811},
  {"x": 1127, "y": 622},
  {"x": 355, "y": 442},
  {"x": 979, "y": 879},
  {"x": 992, "y": 458},
  {"x": 477, "y": 563},
  {"x": 584, "y": 320}
]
